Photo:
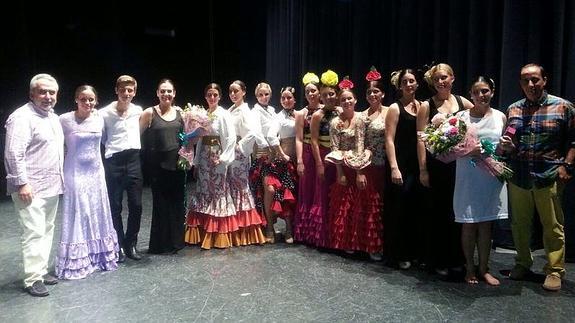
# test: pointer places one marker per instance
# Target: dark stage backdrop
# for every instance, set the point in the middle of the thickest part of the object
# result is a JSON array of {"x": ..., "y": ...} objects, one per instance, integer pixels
[
  {"x": 490, "y": 37},
  {"x": 278, "y": 41}
]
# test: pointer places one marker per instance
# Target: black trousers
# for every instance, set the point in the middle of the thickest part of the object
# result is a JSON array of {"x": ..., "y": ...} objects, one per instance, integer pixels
[
  {"x": 168, "y": 212},
  {"x": 124, "y": 173}
]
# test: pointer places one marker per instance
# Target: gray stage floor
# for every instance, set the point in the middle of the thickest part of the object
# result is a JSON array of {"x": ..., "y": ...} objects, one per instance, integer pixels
[{"x": 273, "y": 283}]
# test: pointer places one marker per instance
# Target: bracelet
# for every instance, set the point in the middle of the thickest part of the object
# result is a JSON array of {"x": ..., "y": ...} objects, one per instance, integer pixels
[{"x": 569, "y": 167}]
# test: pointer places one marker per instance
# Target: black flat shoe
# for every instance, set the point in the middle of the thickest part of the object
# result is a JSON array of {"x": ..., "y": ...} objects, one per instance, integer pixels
[
  {"x": 50, "y": 280},
  {"x": 121, "y": 256},
  {"x": 133, "y": 253},
  {"x": 38, "y": 289}
]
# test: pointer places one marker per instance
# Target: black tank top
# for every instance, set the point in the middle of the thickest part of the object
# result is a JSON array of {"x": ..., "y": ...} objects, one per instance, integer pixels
[
  {"x": 433, "y": 109},
  {"x": 442, "y": 175},
  {"x": 406, "y": 141},
  {"x": 164, "y": 141}
]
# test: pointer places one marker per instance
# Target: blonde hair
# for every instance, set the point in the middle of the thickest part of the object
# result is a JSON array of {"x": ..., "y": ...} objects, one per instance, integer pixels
[
  {"x": 428, "y": 76},
  {"x": 262, "y": 85}
]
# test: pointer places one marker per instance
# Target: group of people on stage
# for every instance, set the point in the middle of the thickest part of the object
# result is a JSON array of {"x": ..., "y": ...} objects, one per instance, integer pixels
[{"x": 358, "y": 182}]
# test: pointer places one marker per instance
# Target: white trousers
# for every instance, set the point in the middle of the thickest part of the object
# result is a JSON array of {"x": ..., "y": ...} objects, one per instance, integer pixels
[{"x": 37, "y": 221}]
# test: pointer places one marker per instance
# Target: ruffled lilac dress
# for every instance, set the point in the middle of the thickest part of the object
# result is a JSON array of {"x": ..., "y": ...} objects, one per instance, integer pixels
[{"x": 88, "y": 240}]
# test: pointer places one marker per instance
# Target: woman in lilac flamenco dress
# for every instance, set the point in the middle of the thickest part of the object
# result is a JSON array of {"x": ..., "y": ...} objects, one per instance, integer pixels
[{"x": 88, "y": 240}]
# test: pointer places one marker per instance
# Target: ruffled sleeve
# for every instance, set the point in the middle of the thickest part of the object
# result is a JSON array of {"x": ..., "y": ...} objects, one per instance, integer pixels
[
  {"x": 359, "y": 157},
  {"x": 249, "y": 129},
  {"x": 336, "y": 155},
  {"x": 227, "y": 136}
]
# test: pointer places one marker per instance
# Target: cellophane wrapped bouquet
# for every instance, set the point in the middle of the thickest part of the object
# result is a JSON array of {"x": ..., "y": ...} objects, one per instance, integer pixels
[
  {"x": 449, "y": 137},
  {"x": 197, "y": 123}
]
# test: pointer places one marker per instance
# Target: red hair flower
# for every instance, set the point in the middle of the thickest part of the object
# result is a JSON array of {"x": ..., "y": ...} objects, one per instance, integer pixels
[
  {"x": 345, "y": 84},
  {"x": 373, "y": 75}
]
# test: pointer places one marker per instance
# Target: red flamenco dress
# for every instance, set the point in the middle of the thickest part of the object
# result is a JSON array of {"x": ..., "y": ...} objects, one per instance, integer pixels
[{"x": 355, "y": 213}]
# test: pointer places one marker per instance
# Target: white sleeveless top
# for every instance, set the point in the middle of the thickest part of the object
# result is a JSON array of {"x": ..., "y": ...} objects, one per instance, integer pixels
[{"x": 478, "y": 196}]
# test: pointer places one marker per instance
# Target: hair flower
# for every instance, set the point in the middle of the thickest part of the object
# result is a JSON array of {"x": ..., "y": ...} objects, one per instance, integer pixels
[
  {"x": 372, "y": 75},
  {"x": 329, "y": 78},
  {"x": 310, "y": 77},
  {"x": 345, "y": 84}
]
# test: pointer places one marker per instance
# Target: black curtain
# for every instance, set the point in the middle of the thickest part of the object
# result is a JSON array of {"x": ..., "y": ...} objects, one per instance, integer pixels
[{"x": 491, "y": 37}]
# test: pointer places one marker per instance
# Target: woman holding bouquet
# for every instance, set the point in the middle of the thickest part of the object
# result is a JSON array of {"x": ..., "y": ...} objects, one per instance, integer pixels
[
  {"x": 303, "y": 231},
  {"x": 211, "y": 214},
  {"x": 403, "y": 213},
  {"x": 479, "y": 198},
  {"x": 162, "y": 124},
  {"x": 355, "y": 203},
  {"x": 248, "y": 132},
  {"x": 443, "y": 236}
]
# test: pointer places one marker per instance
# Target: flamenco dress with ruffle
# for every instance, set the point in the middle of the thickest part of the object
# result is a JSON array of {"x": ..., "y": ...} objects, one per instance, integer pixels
[
  {"x": 250, "y": 221},
  {"x": 314, "y": 225},
  {"x": 274, "y": 172},
  {"x": 88, "y": 240},
  {"x": 355, "y": 214},
  {"x": 306, "y": 184},
  {"x": 211, "y": 216}
]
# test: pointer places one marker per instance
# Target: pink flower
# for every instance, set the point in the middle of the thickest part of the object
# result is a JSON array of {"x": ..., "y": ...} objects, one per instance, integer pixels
[{"x": 453, "y": 131}]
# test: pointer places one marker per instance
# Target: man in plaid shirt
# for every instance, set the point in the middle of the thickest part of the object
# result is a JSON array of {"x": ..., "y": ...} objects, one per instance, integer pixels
[{"x": 540, "y": 145}]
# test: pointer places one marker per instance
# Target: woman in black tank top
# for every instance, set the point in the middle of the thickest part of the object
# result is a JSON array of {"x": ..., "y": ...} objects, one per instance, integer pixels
[
  {"x": 442, "y": 240},
  {"x": 163, "y": 123},
  {"x": 402, "y": 215}
]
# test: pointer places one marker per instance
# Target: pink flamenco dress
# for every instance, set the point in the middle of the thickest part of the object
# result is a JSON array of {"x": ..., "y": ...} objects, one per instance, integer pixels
[
  {"x": 316, "y": 221},
  {"x": 306, "y": 187},
  {"x": 355, "y": 213}
]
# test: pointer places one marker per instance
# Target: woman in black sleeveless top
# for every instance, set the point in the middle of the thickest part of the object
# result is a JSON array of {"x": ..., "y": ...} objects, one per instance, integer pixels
[
  {"x": 163, "y": 123},
  {"x": 402, "y": 216},
  {"x": 442, "y": 242}
]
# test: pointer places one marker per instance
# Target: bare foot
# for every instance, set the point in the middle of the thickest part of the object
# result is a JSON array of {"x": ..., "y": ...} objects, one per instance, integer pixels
[
  {"x": 471, "y": 279},
  {"x": 490, "y": 280}
]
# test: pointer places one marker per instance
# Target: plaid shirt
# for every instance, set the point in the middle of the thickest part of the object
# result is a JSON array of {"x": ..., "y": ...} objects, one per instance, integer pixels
[{"x": 545, "y": 130}]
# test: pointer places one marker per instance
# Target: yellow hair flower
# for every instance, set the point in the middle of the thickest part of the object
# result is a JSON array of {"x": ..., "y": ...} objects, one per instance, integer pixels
[
  {"x": 329, "y": 78},
  {"x": 310, "y": 77}
]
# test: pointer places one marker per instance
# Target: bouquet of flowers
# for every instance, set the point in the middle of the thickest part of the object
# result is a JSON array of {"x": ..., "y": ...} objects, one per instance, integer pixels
[
  {"x": 197, "y": 123},
  {"x": 450, "y": 137},
  {"x": 445, "y": 137}
]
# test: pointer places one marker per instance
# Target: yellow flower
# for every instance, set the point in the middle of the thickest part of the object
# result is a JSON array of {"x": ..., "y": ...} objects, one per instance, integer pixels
[
  {"x": 310, "y": 78},
  {"x": 329, "y": 78}
]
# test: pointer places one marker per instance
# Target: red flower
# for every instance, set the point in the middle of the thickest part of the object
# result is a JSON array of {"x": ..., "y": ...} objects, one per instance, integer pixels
[
  {"x": 373, "y": 75},
  {"x": 453, "y": 121},
  {"x": 345, "y": 84}
]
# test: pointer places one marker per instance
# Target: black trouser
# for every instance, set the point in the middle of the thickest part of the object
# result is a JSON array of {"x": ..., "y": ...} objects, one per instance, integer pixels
[
  {"x": 168, "y": 212},
  {"x": 124, "y": 173}
]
